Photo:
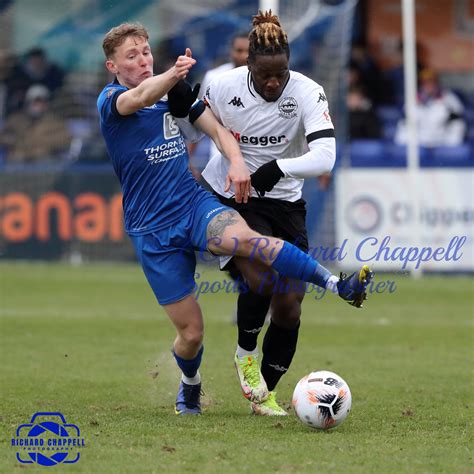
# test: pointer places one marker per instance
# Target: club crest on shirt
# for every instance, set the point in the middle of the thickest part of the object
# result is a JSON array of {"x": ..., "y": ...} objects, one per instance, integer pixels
[
  {"x": 110, "y": 92},
  {"x": 287, "y": 107}
]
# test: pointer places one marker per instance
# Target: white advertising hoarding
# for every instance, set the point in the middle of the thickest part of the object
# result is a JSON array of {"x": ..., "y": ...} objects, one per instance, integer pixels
[{"x": 375, "y": 219}]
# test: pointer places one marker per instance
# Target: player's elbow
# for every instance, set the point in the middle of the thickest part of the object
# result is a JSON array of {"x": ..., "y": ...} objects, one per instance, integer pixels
[
  {"x": 144, "y": 99},
  {"x": 328, "y": 156},
  {"x": 329, "y": 163}
]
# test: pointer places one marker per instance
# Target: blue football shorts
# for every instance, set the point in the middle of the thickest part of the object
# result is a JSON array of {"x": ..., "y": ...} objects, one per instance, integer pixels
[{"x": 167, "y": 255}]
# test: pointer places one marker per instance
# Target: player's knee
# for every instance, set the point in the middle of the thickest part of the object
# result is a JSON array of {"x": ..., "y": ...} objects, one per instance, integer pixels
[
  {"x": 286, "y": 312},
  {"x": 192, "y": 337},
  {"x": 286, "y": 320},
  {"x": 264, "y": 283}
]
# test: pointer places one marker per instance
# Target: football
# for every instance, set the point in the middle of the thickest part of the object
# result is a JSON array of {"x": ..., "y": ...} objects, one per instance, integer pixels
[{"x": 322, "y": 400}]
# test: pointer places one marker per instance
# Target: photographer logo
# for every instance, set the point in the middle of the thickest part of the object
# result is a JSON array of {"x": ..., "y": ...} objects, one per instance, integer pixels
[{"x": 48, "y": 440}]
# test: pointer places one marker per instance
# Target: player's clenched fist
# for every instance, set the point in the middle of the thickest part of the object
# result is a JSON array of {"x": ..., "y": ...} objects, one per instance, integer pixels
[{"x": 183, "y": 64}]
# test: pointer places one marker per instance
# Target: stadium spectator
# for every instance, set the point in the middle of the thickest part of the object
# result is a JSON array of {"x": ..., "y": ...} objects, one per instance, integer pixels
[
  {"x": 281, "y": 119},
  {"x": 363, "y": 121},
  {"x": 7, "y": 62},
  {"x": 394, "y": 78},
  {"x": 369, "y": 74},
  {"x": 439, "y": 115},
  {"x": 38, "y": 69},
  {"x": 239, "y": 51},
  {"x": 167, "y": 214},
  {"x": 35, "y": 133},
  {"x": 34, "y": 68},
  {"x": 165, "y": 51},
  {"x": 199, "y": 153}
]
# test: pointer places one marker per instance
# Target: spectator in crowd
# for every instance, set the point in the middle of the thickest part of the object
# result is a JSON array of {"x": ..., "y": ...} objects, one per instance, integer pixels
[
  {"x": 354, "y": 75},
  {"x": 363, "y": 121},
  {"x": 368, "y": 73},
  {"x": 164, "y": 50},
  {"x": 7, "y": 62},
  {"x": 439, "y": 115},
  {"x": 34, "y": 68},
  {"x": 39, "y": 70},
  {"x": 394, "y": 78},
  {"x": 35, "y": 133},
  {"x": 239, "y": 52}
]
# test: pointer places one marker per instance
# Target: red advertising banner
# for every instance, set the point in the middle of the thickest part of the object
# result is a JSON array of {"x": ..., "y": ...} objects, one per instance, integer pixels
[{"x": 61, "y": 214}]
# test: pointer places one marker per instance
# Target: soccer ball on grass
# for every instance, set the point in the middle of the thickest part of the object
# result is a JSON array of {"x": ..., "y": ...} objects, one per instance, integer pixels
[{"x": 322, "y": 400}]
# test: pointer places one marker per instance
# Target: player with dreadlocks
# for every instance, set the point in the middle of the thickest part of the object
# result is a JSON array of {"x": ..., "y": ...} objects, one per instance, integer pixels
[{"x": 282, "y": 122}]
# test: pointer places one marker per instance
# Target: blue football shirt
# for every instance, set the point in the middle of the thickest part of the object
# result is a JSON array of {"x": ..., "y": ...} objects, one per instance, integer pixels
[{"x": 150, "y": 158}]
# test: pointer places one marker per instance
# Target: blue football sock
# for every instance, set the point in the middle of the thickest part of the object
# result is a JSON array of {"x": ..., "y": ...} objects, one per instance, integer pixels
[
  {"x": 189, "y": 367},
  {"x": 294, "y": 263}
]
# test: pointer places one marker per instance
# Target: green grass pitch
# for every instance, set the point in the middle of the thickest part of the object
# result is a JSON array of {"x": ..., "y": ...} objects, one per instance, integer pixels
[{"x": 92, "y": 343}]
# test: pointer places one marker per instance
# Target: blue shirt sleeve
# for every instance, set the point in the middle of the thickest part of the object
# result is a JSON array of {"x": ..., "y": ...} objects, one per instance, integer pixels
[{"x": 107, "y": 102}]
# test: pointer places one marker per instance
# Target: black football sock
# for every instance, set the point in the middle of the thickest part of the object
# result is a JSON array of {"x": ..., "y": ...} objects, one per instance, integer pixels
[
  {"x": 279, "y": 347},
  {"x": 251, "y": 311}
]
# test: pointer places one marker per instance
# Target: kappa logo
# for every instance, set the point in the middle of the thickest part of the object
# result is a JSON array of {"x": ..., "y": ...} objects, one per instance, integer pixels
[
  {"x": 322, "y": 98},
  {"x": 236, "y": 102},
  {"x": 288, "y": 107}
]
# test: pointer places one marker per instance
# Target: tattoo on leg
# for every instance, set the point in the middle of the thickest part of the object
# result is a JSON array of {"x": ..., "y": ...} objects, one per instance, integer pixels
[{"x": 216, "y": 227}]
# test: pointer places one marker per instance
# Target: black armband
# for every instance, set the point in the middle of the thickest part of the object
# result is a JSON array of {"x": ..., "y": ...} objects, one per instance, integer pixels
[
  {"x": 196, "y": 111},
  {"x": 327, "y": 133}
]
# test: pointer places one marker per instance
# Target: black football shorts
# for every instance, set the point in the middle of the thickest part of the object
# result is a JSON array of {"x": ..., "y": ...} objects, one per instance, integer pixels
[{"x": 283, "y": 219}]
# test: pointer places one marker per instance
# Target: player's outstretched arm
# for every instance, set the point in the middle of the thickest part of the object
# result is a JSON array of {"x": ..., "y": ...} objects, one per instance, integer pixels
[
  {"x": 319, "y": 160},
  {"x": 238, "y": 175},
  {"x": 151, "y": 90}
]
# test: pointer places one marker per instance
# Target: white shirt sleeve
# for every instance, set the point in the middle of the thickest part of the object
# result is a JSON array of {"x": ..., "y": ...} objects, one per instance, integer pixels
[
  {"x": 321, "y": 156},
  {"x": 318, "y": 160},
  {"x": 213, "y": 74},
  {"x": 190, "y": 132},
  {"x": 206, "y": 80},
  {"x": 315, "y": 111}
]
